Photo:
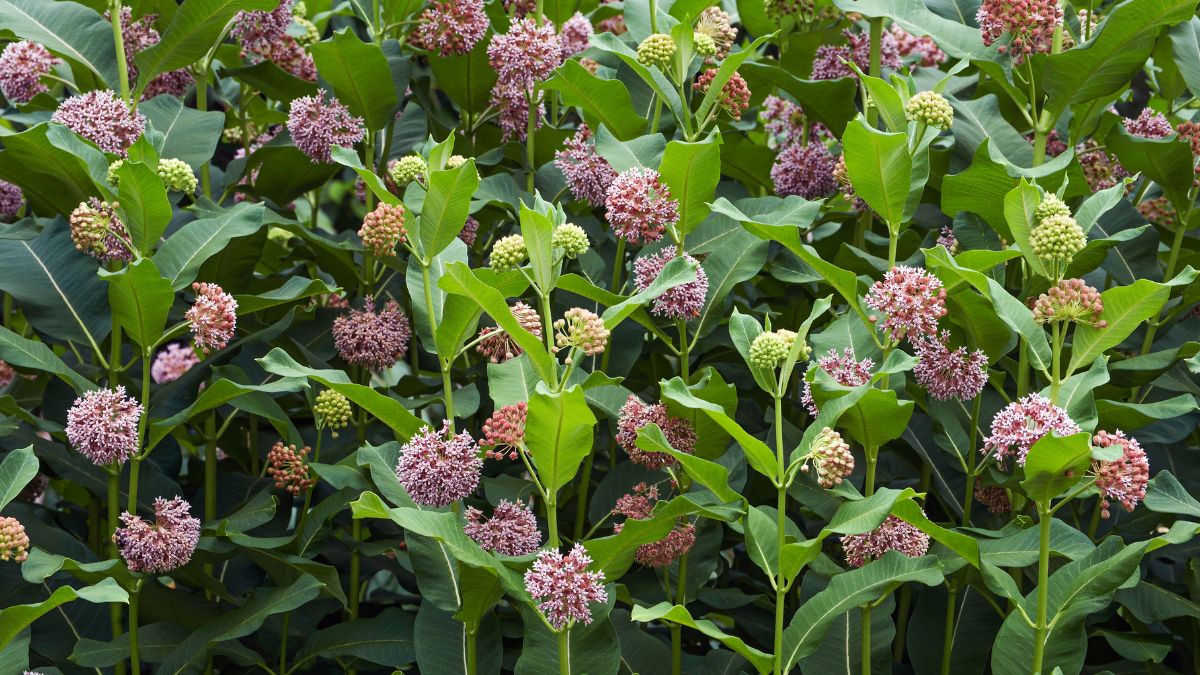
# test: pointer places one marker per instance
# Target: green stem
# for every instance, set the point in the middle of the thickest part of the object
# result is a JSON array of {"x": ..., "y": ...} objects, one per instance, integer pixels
[
  {"x": 136, "y": 462},
  {"x": 781, "y": 528},
  {"x": 447, "y": 391},
  {"x": 1039, "y": 145},
  {"x": 1056, "y": 332},
  {"x": 676, "y": 629},
  {"x": 585, "y": 483},
  {"x": 564, "y": 652},
  {"x": 1041, "y": 626},
  {"x": 210, "y": 477},
  {"x": 1023, "y": 370},
  {"x": 283, "y": 640},
  {"x": 472, "y": 630},
  {"x": 135, "y": 662},
  {"x": 355, "y": 566},
  {"x": 872, "y": 455},
  {"x": 202, "y": 106},
  {"x": 114, "y": 509},
  {"x": 114, "y": 9},
  {"x": 1094, "y": 523},
  {"x": 530, "y": 126},
  {"x": 948, "y": 632},
  {"x": 552, "y": 518},
  {"x": 309, "y": 492},
  {"x": 865, "y": 614},
  {"x": 893, "y": 240},
  {"x": 1172, "y": 262},
  {"x": 876, "y": 61},
  {"x": 685, "y": 369},
  {"x": 969, "y": 500}
]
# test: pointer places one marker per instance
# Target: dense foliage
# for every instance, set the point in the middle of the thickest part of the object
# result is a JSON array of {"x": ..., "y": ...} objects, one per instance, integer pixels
[{"x": 569, "y": 336}]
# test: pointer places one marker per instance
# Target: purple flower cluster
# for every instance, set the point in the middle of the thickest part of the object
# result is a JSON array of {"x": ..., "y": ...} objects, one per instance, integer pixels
[
  {"x": 845, "y": 369},
  {"x": 11, "y": 201},
  {"x": 523, "y": 57},
  {"x": 257, "y": 30},
  {"x": 588, "y": 174},
  {"x": 911, "y": 301},
  {"x": 162, "y": 546},
  {"x": 1149, "y": 124},
  {"x": 576, "y": 35},
  {"x": 682, "y": 302},
  {"x": 22, "y": 66},
  {"x": 893, "y": 535},
  {"x": 804, "y": 170},
  {"x": 512, "y": 529},
  {"x": 172, "y": 362},
  {"x": 1024, "y": 422},
  {"x": 438, "y": 469},
  {"x": 564, "y": 587},
  {"x": 636, "y": 414},
  {"x": 103, "y": 118},
  {"x": 103, "y": 425},
  {"x": 639, "y": 206},
  {"x": 832, "y": 61},
  {"x": 497, "y": 345},
  {"x": 317, "y": 125},
  {"x": 451, "y": 27},
  {"x": 375, "y": 340},
  {"x": 947, "y": 373}
]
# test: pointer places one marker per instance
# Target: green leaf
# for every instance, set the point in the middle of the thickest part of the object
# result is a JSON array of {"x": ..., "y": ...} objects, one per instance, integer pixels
[
  {"x": 53, "y": 179},
  {"x": 676, "y": 272},
  {"x": 709, "y": 474},
  {"x": 18, "y": 468},
  {"x": 848, "y": 590},
  {"x": 295, "y": 288},
  {"x": 141, "y": 299},
  {"x": 359, "y": 74},
  {"x": 73, "y": 31},
  {"x": 1166, "y": 161},
  {"x": 653, "y": 77},
  {"x": 1165, "y": 494},
  {"x": 456, "y": 252},
  {"x": 15, "y": 618},
  {"x": 187, "y": 134},
  {"x": 665, "y": 611},
  {"x": 979, "y": 189},
  {"x": 916, "y": 17},
  {"x": 603, "y": 102},
  {"x": 193, "y": 28},
  {"x": 559, "y": 435},
  {"x": 1055, "y": 463},
  {"x": 386, "y": 639},
  {"x": 446, "y": 206},
  {"x": 760, "y": 457},
  {"x": 1019, "y": 205},
  {"x": 25, "y": 353},
  {"x": 725, "y": 71},
  {"x": 691, "y": 171},
  {"x": 181, "y": 255},
  {"x": 878, "y": 417},
  {"x": 1125, "y": 309},
  {"x": 538, "y": 233},
  {"x": 467, "y": 80},
  {"x": 879, "y": 167},
  {"x": 830, "y": 102}
]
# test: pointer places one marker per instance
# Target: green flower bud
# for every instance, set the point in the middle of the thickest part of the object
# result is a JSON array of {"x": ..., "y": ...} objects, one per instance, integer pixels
[
  {"x": 455, "y": 161},
  {"x": 930, "y": 108},
  {"x": 312, "y": 34},
  {"x": 770, "y": 350},
  {"x": 177, "y": 175},
  {"x": 656, "y": 50},
  {"x": 1057, "y": 239},
  {"x": 113, "y": 179},
  {"x": 508, "y": 253},
  {"x": 408, "y": 169},
  {"x": 571, "y": 239},
  {"x": 704, "y": 44},
  {"x": 1051, "y": 206},
  {"x": 331, "y": 410}
]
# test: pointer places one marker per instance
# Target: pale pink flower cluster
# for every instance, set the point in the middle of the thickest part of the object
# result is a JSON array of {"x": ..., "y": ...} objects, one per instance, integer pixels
[
  {"x": 682, "y": 302},
  {"x": 172, "y": 362},
  {"x": 363, "y": 337},
  {"x": 946, "y": 373},
  {"x": 1149, "y": 124},
  {"x": 564, "y": 587},
  {"x": 213, "y": 317},
  {"x": 22, "y": 65},
  {"x": 317, "y": 125},
  {"x": 103, "y": 425},
  {"x": 845, "y": 369},
  {"x": 588, "y": 174},
  {"x": 576, "y": 34},
  {"x": 636, "y": 414},
  {"x": 911, "y": 301},
  {"x": 925, "y": 50},
  {"x": 512, "y": 529},
  {"x": 522, "y": 58},
  {"x": 162, "y": 546},
  {"x": 1124, "y": 479},
  {"x": 451, "y": 27},
  {"x": 893, "y": 535},
  {"x": 639, "y": 206},
  {"x": 103, "y": 118},
  {"x": 437, "y": 469},
  {"x": 505, "y": 429},
  {"x": 1024, "y": 422},
  {"x": 831, "y": 61}
]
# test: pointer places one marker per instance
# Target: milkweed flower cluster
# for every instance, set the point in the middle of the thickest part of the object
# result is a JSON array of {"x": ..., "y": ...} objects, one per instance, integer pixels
[
  {"x": 103, "y": 118},
  {"x": 172, "y": 362},
  {"x": 831, "y": 61},
  {"x": 139, "y": 35},
  {"x": 639, "y": 206},
  {"x": 681, "y": 302},
  {"x": 770, "y": 349},
  {"x": 256, "y": 30},
  {"x": 564, "y": 587},
  {"x": 924, "y": 52},
  {"x": 575, "y": 35},
  {"x": 103, "y": 425},
  {"x": 1024, "y": 422},
  {"x": 804, "y": 170},
  {"x": 947, "y": 239},
  {"x": 893, "y": 535},
  {"x": 377, "y": 341},
  {"x": 734, "y": 96},
  {"x": 716, "y": 25},
  {"x": 931, "y": 109},
  {"x": 14, "y": 543},
  {"x": 581, "y": 329},
  {"x": 911, "y": 301},
  {"x": 993, "y": 497},
  {"x": 946, "y": 373},
  {"x": 1123, "y": 479},
  {"x": 1070, "y": 300},
  {"x": 505, "y": 429},
  {"x": 317, "y": 125},
  {"x": 286, "y": 464},
  {"x": 831, "y": 457},
  {"x": 213, "y": 317},
  {"x": 7, "y": 374},
  {"x": 1056, "y": 239},
  {"x": 635, "y": 415},
  {"x": 383, "y": 229},
  {"x": 508, "y": 253},
  {"x": 497, "y": 346},
  {"x": 437, "y": 469},
  {"x": 523, "y": 57},
  {"x": 407, "y": 169},
  {"x": 1030, "y": 23},
  {"x": 656, "y": 51},
  {"x": 332, "y": 411},
  {"x": 512, "y": 530},
  {"x": 162, "y": 546},
  {"x": 845, "y": 369},
  {"x": 177, "y": 176},
  {"x": 1149, "y": 124},
  {"x": 782, "y": 120},
  {"x": 588, "y": 174},
  {"x": 451, "y": 27},
  {"x": 571, "y": 239},
  {"x": 12, "y": 200},
  {"x": 22, "y": 65},
  {"x": 97, "y": 230},
  {"x": 639, "y": 505}
]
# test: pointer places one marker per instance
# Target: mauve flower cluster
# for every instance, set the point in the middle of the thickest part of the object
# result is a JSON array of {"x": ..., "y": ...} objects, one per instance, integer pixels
[
  {"x": 636, "y": 414},
  {"x": 7, "y": 374},
  {"x": 993, "y": 497},
  {"x": 317, "y": 125},
  {"x": 522, "y": 58},
  {"x": 804, "y": 170},
  {"x": 639, "y": 206},
  {"x": 497, "y": 346},
  {"x": 564, "y": 587},
  {"x": 505, "y": 429},
  {"x": 162, "y": 546},
  {"x": 451, "y": 27},
  {"x": 1031, "y": 23},
  {"x": 923, "y": 49},
  {"x": 576, "y": 35},
  {"x": 22, "y": 65},
  {"x": 103, "y": 118},
  {"x": 830, "y": 61},
  {"x": 1149, "y": 124},
  {"x": 213, "y": 317},
  {"x": 383, "y": 230},
  {"x": 257, "y": 30},
  {"x": 639, "y": 505},
  {"x": 681, "y": 302},
  {"x": 734, "y": 96},
  {"x": 1070, "y": 300},
  {"x": 363, "y": 337},
  {"x": 11, "y": 201},
  {"x": 172, "y": 362},
  {"x": 947, "y": 239},
  {"x": 103, "y": 425},
  {"x": 1124, "y": 479},
  {"x": 285, "y": 463},
  {"x": 831, "y": 456},
  {"x": 911, "y": 300},
  {"x": 436, "y": 470},
  {"x": 588, "y": 174},
  {"x": 893, "y": 535},
  {"x": 1024, "y": 422},
  {"x": 512, "y": 529},
  {"x": 14, "y": 543},
  {"x": 946, "y": 373},
  {"x": 139, "y": 35},
  {"x": 845, "y": 369}
]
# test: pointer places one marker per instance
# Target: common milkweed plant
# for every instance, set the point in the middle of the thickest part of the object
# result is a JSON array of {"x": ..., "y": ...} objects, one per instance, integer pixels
[{"x": 577, "y": 336}]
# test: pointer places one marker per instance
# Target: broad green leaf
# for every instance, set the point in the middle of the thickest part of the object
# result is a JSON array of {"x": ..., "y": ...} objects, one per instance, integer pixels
[
  {"x": 187, "y": 134},
  {"x": 1019, "y": 205},
  {"x": 676, "y": 272},
  {"x": 18, "y": 468},
  {"x": 916, "y": 17},
  {"x": 980, "y": 189},
  {"x": 878, "y": 417},
  {"x": 1163, "y": 160},
  {"x": 295, "y": 288},
  {"x": 691, "y": 171},
  {"x": 456, "y": 252},
  {"x": 880, "y": 169},
  {"x": 467, "y": 80},
  {"x": 665, "y": 611},
  {"x": 359, "y": 75},
  {"x": 181, "y": 255},
  {"x": 1165, "y": 494},
  {"x": 559, "y": 435},
  {"x": 830, "y": 102},
  {"x": 52, "y": 179},
  {"x": 1055, "y": 463},
  {"x": 141, "y": 299},
  {"x": 603, "y": 102},
  {"x": 1125, "y": 309},
  {"x": 15, "y": 618},
  {"x": 761, "y": 457},
  {"x": 386, "y": 639},
  {"x": 1129, "y": 416},
  {"x": 538, "y": 233},
  {"x": 446, "y": 206},
  {"x": 725, "y": 71},
  {"x": 709, "y": 474},
  {"x": 653, "y": 77},
  {"x": 73, "y": 31},
  {"x": 26, "y": 353},
  {"x": 189, "y": 36}
]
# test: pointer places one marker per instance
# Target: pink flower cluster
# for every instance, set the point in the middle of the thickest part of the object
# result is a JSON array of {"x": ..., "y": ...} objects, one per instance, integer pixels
[
  {"x": 162, "y": 546},
  {"x": 923, "y": 49},
  {"x": 505, "y": 429},
  {"x": 636, "y": 414},
  {"x": 564, "y": 587},
  {"x": 576, "y": 35},
  {"x": 804, "y": 170},
  {"x": 497, "y": 346},
  {"x": 588, "y": 174},
  {"x": 22, "y": 66},
  {"x": 138, "y": 36},
  {"x": 213, "y": 317},
  {"x": 103, "y": 118},
  {"x": 947, "y": 373},
  {"x": 258, "y": 30},
  {"x": 363, "y": 337},
  {"x": 831, "y": 61},
  {"x": 1124, "y": 479},
  {"x": 512, "y": 529},
  {"x": 317, "y": 125},
  {"x": 993, "y": 497},
  {"x": 451, "y": 27},
  {"x": 1030, "y": 23},
  {"x": 1149, "y": 124},
  {"x": 639, "y": 505},
  {"x": 11, "y": 201},
  {"x": 911, "y": 301},
  {"x": 682, "y": 302},
  {"x": 639, "y": 206},
  {"x": 437, "y": 469},
  {"x": 1024, "y": 422},
  {"x": 103, "y": 425},
  {"x": 845, "y": 369},
  {"x": 734, "y": 95},
  {"x": 172, "y": 362},
  {"x": 893, "y": 535},
  {"x": 522, "y": 58}
]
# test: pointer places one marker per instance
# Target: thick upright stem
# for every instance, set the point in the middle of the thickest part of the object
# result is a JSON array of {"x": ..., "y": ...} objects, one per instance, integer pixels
[
  {"x": 969, "y": 498},
  {"x": 202, "y": 106},
  {"x": 136, "y": 462},
  {"x": 114, "y": 508},
  {"x": 114, "y": 12},
  {"x": 444, "y": 363},
  {"x": 676, "y": 629},
  {"x": 564, "y": 652},
  {"x": 781, "y": 529},
  {"x": 135, "y": 662},
  {"x": 865, "y": 612},
  {"x": 1041, "y": 626},
  {"x": 472, "y": 635},
  {"x": 210, "y": 477},
  {"x": 948, "y": 631},
  {"x": 875, "y": 67},
  {"x": 355, "y": 566}
]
